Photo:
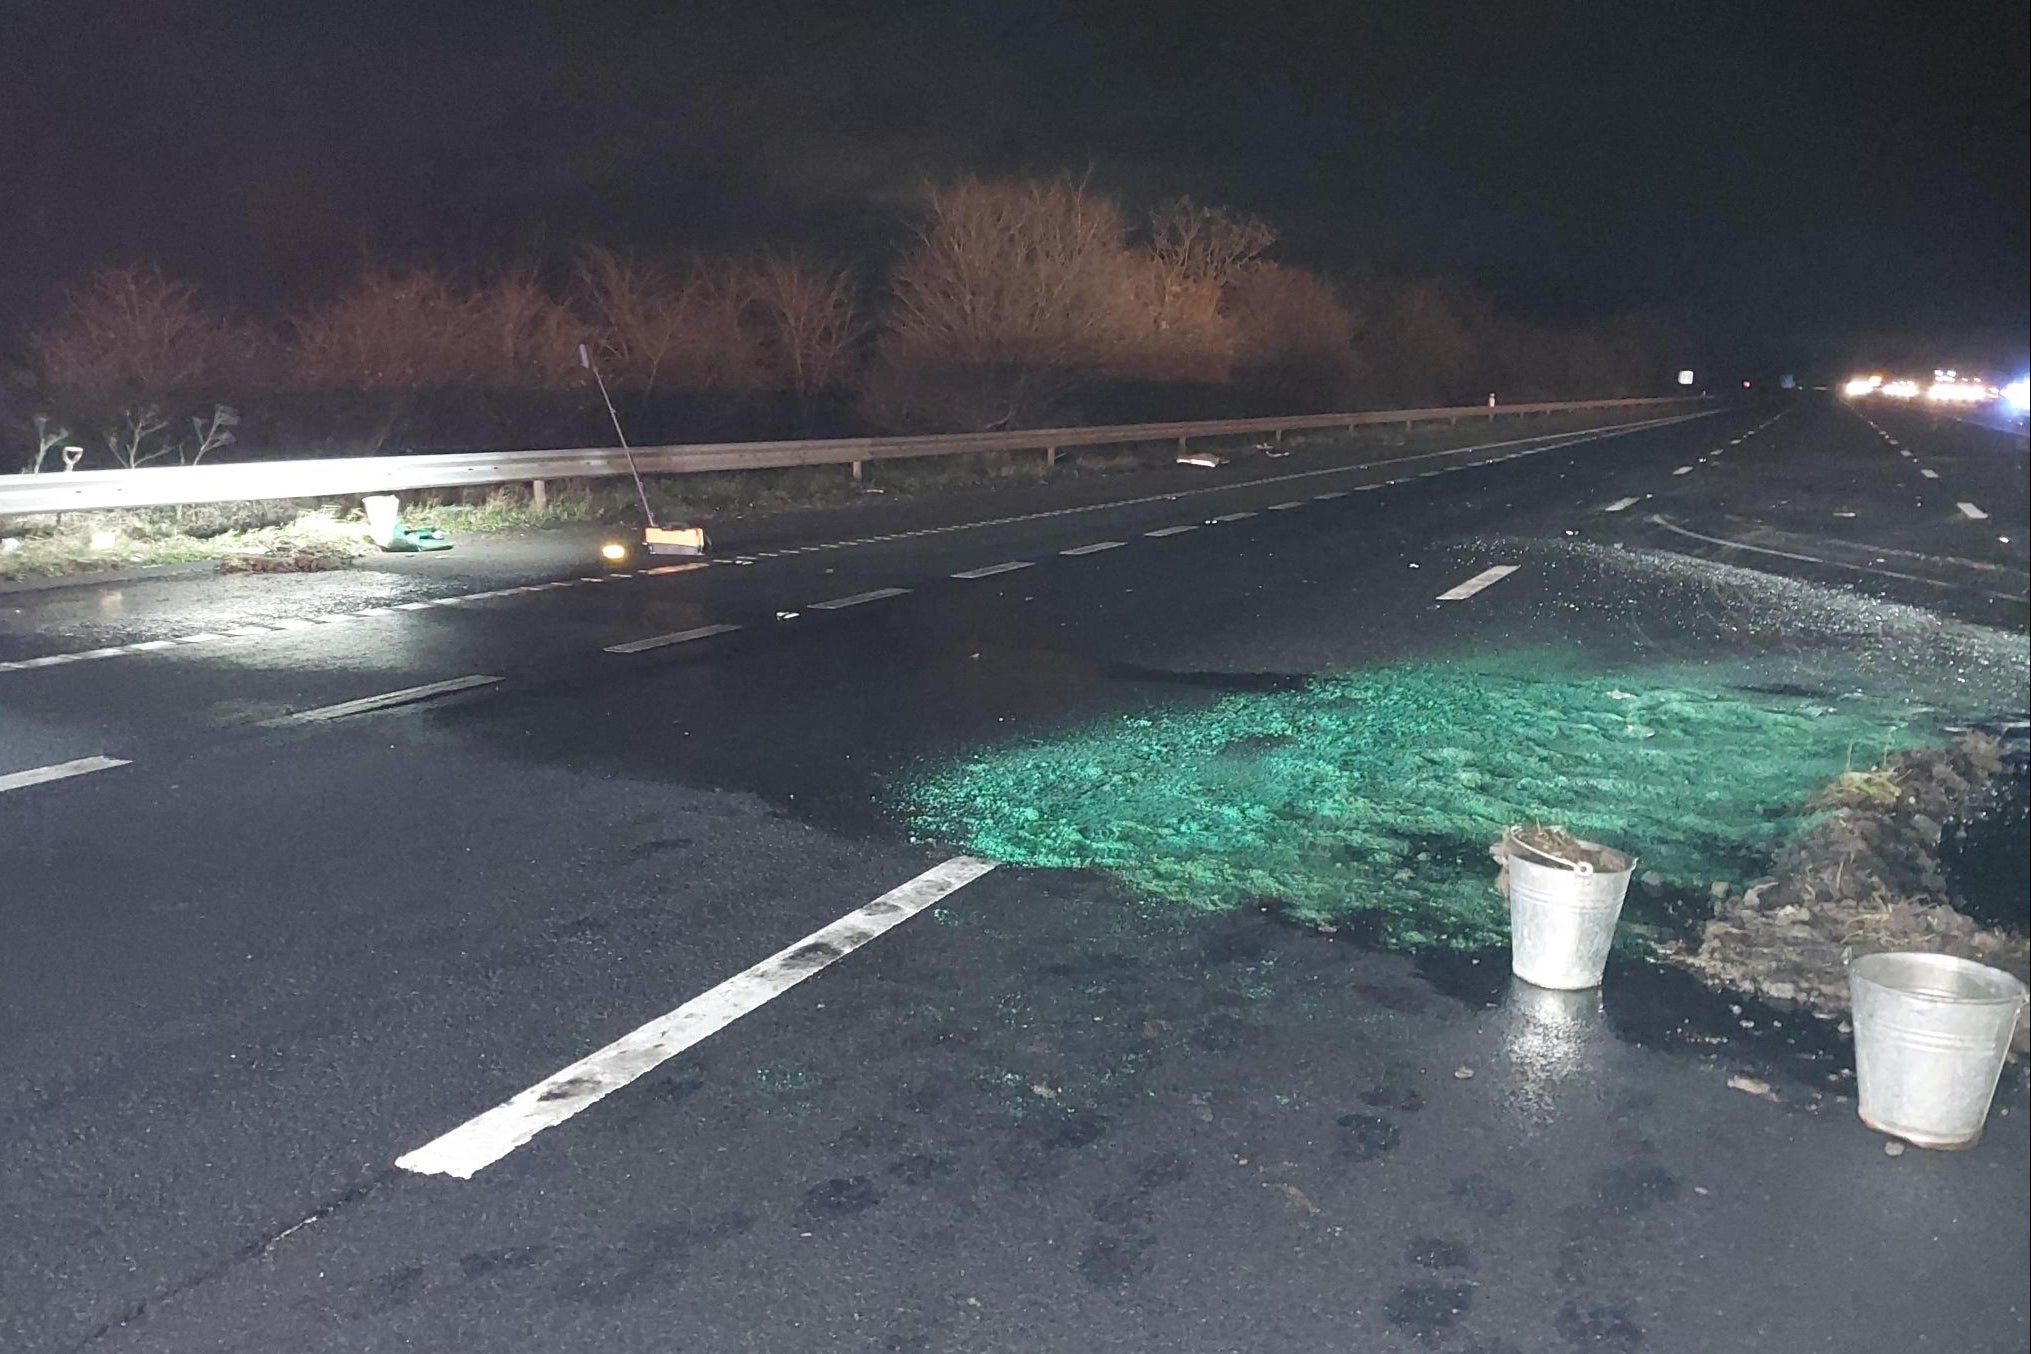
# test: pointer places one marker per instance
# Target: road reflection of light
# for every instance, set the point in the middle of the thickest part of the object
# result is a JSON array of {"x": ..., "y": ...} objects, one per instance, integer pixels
[{"x": 1549, "y": 1038}]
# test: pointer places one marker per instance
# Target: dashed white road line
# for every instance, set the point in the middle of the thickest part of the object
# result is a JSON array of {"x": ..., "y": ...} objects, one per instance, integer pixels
[
  {"x": 1971, "y": 512},
  {"x": 1683, "y": 470},
  {"x": 1621, "y": 503},
  {"x": 990, "y": 570},
  {"x": 1479, "y": 581},
  {"x": 480, "y": 1142},
  {"x": 1528, "y": 446},
  {"x": 41, "y": 775},
  {"x": 856, "y": 599},
  {"x": 1173, "y": 531},
  {"x": 1284, "y": 507},
  {"x": 1094, "y": 548},
  {"x": 679, "y": 637},
  {"x": 408, "y": 695},
  {"x": 1231, "y": 517}
]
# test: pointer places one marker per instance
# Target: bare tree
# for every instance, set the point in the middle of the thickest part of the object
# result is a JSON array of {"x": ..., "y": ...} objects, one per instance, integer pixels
[
  {"x": 128, "y": 345},
  {"x": 48, "y": 436},
  {"x": 810, "y": 325},
  {"x": 213, "y": 431},
  {"x": 661, "y": 326},
  {"x": 127, "y": 437},
  {"x": 1026, "y": 273}
]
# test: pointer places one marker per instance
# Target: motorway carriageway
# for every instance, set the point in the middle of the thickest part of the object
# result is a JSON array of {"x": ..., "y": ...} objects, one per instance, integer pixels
[{"x": 537, "y": 961}]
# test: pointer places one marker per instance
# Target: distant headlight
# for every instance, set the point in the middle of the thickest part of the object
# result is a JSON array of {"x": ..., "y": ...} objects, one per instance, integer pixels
[{"x": 613, "y": 552}]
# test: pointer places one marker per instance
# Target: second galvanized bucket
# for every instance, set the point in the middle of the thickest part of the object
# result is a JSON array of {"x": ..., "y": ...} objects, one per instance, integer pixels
[
  {"x": 1931, "y": 1032},
  {"x": 1562, "y": 913}
]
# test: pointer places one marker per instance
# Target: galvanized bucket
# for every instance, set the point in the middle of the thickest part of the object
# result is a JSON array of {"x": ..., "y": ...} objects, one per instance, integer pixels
[
  {"x": 1931, "y": 1032},
  {"x": 1562, "y": 914}
]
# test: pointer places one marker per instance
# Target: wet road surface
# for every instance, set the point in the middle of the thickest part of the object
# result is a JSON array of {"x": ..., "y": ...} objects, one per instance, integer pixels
[{"x": 263, "y": 957}]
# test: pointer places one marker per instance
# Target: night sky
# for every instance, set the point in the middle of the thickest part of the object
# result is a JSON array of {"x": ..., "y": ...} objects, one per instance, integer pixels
[{"x": 1806, "y": 184}]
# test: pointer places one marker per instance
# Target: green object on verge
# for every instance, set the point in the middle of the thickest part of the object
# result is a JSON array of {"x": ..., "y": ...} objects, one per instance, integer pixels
[
  {"x": 407, "y": 540},
  {"x": 1376, "y": 794}
]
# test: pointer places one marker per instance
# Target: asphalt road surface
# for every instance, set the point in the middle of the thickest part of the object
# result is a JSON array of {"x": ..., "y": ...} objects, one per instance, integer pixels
[{"x": 257, "y": 949}]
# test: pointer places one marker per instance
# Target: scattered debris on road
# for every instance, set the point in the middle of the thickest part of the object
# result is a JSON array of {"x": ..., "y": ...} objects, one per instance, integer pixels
[{"x": 1864, "y": 878}]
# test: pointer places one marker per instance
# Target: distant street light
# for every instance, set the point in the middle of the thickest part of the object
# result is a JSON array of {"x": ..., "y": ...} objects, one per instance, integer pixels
[{"x": 1685, "y": 377}]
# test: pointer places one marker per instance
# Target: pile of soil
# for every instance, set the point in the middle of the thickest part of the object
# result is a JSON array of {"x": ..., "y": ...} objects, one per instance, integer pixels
[{"x": 1866, "y": 876}]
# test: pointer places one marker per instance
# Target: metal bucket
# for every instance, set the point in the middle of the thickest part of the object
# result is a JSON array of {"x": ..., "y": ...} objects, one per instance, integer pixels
[
  {"x": 1562, "y": 915},
  {"x": 1931, "y": 1032}
]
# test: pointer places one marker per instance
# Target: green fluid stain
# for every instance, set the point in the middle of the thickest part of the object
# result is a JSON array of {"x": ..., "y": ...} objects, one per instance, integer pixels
[{"x": 1374, "y": 796}]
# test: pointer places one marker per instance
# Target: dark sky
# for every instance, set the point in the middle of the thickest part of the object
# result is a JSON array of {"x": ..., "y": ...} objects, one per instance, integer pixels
[{"x": 1785, "y": 176}]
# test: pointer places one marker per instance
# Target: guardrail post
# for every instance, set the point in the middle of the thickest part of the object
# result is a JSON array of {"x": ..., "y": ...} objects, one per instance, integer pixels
[
  {"x": 1050, "y": 457},
  {"x": 539, "y": 494},
  {"x": 856, "y": 472}
]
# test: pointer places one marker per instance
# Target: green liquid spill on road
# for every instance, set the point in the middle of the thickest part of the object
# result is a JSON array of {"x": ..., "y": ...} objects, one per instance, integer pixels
[{"x": 1374, "y": 796}]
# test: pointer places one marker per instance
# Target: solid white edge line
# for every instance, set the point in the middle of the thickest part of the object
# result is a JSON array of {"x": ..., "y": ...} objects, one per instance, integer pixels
[
  {"x": 990, "y": 570},
  {"x": 40, "y": 775},
  {"x": 680, "y": 637},
  {"x": 1971, "y": 512},
  {"x": 481, "y": 1141},
  {"x": 406, "y": 696},
  {"x": 1094, "y": 548},
  {"x": 855, "y": 599},
  {"x": 1479, "y": 581}
]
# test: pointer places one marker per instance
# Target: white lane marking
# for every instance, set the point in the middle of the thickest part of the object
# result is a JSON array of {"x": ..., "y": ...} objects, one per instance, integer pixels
[
  {"x": 1232, "y": 517},
  {"x": 480, "y": 1142},
  {"x": 1971, "y": 512},
  {"x": 366, "y": 704},
  {"x": 46, "y": 661},
  {"x": 855, "y": 599},
  {"x": 680, "y": 637},
  {"x": 1683, "y": 470},
  {"x": 1284, "y": 507},
  {"x": 677, "y": 568},
  {"x": 411, "y": 606},
  {"x": 990, "y": 570},
  {"x": 1532, "y": 446},
  {"x": 15, "y": 780},
  {"x": 1621, "y": 503},
  {"x": 1094, "y": 548},
  {"x": 1173, "y": 531},
  {"x": 1478, "y": 582},
  {"x": 202, "y": 637},
  {"x": 1930, "y": 474},
  {"x": 148, "y": 646}
]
